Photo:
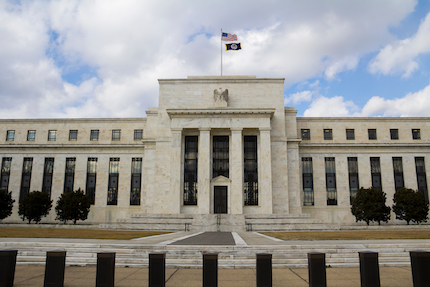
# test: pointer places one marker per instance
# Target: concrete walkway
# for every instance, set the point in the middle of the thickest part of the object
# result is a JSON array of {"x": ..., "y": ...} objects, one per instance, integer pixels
[{"x": 128, "y": 277}]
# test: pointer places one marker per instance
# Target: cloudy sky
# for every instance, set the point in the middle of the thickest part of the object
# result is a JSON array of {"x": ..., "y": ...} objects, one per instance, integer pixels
[{"x": 101, "y": 58}]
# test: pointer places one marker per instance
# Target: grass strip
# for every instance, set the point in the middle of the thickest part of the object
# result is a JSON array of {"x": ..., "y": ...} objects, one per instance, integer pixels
[
  {"x": 28, "y": 232},
  {"x": 351, "y": 235}
]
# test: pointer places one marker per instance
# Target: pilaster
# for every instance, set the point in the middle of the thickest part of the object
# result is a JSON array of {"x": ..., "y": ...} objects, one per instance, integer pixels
[
  {"x": 236, "y": 172},
  {"x": 203, "y": 171},
  {"x": 175, "y": 171},
  {"x": 265, "y": 166}
]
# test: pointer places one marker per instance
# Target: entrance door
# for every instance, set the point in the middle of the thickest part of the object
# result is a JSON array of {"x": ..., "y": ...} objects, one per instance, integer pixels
[{"x": 220, "y": 199}]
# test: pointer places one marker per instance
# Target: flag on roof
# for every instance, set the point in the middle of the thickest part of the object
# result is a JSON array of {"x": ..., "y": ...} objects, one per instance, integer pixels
[
  {"x": 228, "y": 37},
  {"x": 233, "y": 47}
]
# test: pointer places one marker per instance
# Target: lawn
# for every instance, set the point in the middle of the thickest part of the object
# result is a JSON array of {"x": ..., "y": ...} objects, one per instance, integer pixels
[
  {"x": 30, "y": 232},
  {"x": 352, "y": 235}
]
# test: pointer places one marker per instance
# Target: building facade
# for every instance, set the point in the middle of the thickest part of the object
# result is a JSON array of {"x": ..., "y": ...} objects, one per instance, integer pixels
[{"x": 215, "y": 145}]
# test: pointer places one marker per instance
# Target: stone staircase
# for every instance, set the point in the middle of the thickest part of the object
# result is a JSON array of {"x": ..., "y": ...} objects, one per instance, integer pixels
[
  {"x": 179, "y": 256},
  {"x": 285, "y": 222}
]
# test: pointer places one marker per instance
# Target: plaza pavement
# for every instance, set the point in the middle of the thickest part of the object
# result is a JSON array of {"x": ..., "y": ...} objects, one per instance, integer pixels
[{"x": 292, "y": 277}]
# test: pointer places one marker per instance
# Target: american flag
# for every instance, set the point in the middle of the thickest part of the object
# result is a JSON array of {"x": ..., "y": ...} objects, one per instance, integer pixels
[{"x": 228, "y": 37}]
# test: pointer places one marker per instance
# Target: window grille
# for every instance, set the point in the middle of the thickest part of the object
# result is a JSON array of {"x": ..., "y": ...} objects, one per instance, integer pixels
[
  {"x": 372, "y": 134},
  {"x": 10, "y": 136},
  {"x": 190, "y": 170},
  {"x": 48, "y": 170},
  {"x": 138, "y": 135},
  {"x": 5, "y": 172},
  {"x": 73, "y": 135},
  {"x": 306, "y": 134},
  {"x": 112, "y": 198},
  {"x": 26, "y": 177},
  {"x": 350, "y": 134},
  {"x": 220, "y": 156},
  {"x": 69, "y": 176},
  {"x": 91, "y": 179},
  {"x": 328, "y": 134},
  {"x": 250, "y": 170},
  {"x": 353, "y": 177},
  {"x": 307, "y": 177},
  {"x": 394, "y": 134},
  {"x": 416, "y": 134},
  {"x": 31, "y": 136},
  {"x": 116, "y": 135},
  {"x": 94, "y": 136},
  {"x": 330, "y": 175},
  {"x": 136, "y": 179}
]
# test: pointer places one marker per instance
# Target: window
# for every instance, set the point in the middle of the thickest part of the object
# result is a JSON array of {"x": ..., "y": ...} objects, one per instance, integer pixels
[
  {"x": 375, "y": 170},
  {"x": 250, "y": 170},
  {"x": 10, "y": 136},
  {"x": 328, "y": 134},
  {"x": 350, "y": 134},
  {"x": 73, "y": 135},
  {"x": 421, "y": 177},
  {"x": 416, "y": 134},
  {"x": 394, "y": 134},
  {"x": 91, "y": 179},
  {"x": 308, "y": 184},
  {"x": 138, "y": 135},
  {"x": 69, "y": 176},
  {"x": 26, "y": 177},
  {"x": 398, "y": 172},
  {"x": 5, "y": 173},
  {"x": 48, "y": 170},
  {"x": 330, "y": 176},
  {"x": 353, "y": 177},
  {"x": 190, "y": 170},
  {"x": 220, "y": 156},
  {"x": 306, "y": 134},
  {"x": 94, "y": 136},
  {"x": 112, "y": 197},
  {"x": 52, "y": 135},
  {"x": 116, "y": 135},
  {"x": 31, "y": 136},
  {"x": 372, "y": 134},
  {"x": 136, "y": 180}
]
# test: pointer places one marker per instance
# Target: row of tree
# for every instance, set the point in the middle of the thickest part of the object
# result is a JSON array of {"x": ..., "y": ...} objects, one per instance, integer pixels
[
  {"x": 72, "y": 206},
  {"x": 409, "y": 205}
]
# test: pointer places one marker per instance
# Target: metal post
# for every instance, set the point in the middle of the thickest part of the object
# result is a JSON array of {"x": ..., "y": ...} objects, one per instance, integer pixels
[
  {"x": 105, "y": 269},
  {"x": 316, "y": 268},
  {"x": 157, "y": 269},
  {"x": 369, "y": 269},
  {"x": 7, "y": 267},
  {"x": 420, "y": 264},
  {"x": 54, "y": 268},
  {"x": 210, "y": 270},
  {"x": 264, "y": 270}
]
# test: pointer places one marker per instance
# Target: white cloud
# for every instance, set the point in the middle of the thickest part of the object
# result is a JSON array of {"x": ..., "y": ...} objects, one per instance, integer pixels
[
  {"x": 303, "y": 96},
  {"x": 401, "y": 56},
  {"x": 132, "y": 43},
  {"x": 331, "y": 107}
]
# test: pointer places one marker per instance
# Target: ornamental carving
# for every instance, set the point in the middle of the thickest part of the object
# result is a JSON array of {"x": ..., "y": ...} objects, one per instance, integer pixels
[{"x": 220, "y": 95}]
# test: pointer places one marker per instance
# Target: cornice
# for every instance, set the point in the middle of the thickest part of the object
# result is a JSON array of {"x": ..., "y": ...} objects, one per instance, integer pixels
[{"x": 173, "y": 113}]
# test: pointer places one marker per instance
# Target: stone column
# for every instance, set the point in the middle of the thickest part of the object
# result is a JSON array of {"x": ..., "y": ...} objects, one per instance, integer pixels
[
  {"x": 203, "y": 171},
  {"x": 148, "y": 176},
  {"x": 175, "y": 171},
  {"x": 265, "y": 166},
  {"x": 235, "y": 195}
]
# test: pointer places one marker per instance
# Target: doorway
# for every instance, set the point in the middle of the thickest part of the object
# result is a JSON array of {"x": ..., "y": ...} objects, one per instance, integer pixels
[{"x": 220, "y": 199}]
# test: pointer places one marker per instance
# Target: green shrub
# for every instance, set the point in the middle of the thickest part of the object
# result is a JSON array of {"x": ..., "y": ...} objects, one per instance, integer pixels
[
  {"x": 6, "y": 204},
  {"x": 73, "y": 206},
  {"x": 34, "y": 206},
  {"x": 369, "y": 205},
  {"x": 410, "y": 205}
]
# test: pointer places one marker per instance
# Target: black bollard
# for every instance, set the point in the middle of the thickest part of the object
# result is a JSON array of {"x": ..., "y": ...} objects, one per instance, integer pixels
[
  {"x": 54, "y": 268},
  {"x": 316, "y": 268},
  {"x": 264, "y": 270},
  {"x": 420, "y": 264},
  {"x": 210, "y": 270},
  {"x": 7, "y": 267},
  {"x": 105, "y": 269},
  {"x": 369, "y": 269},
  {"x": 157, "y": 269}
]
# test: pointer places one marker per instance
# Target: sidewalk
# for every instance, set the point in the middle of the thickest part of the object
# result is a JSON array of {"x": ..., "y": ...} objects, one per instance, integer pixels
[{"x": 129, "y": 277}]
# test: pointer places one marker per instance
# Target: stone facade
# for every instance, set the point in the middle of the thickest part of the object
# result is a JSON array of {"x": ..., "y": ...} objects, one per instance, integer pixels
[{"x": 193, "y": 108}]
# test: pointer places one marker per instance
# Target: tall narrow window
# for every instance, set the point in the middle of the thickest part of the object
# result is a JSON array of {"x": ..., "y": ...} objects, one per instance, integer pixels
[
  {"x": 350, "y": 134},
  {"x": 330, "y": 176},
  {"x": 26, "y": 177},
  {"x": 250, "y": 170},
  {"x": 421, "y": 177},
  {"x": 375, "y": 170},
  {"x": 308, "y": 181},
  {"x": 306, "y": 134},
  {"x": 69, "y": 176},
  {"x": 398, "y": 172},
  {"x": 48, "y": 170},
  {"x": 10, "y": 136},
  {"x": 52, "y": 135},
  {"x": 5, "y": 172},
  {"x": 394, "y": 134},
  {"x": 138, "y": 135},
  {"x": 112, "y": 198},
  {"x": 372, "y": 134},
  {"x": 91, "y": 179},
  {"x": 94, "y": 135},
  {"x": 328, "y": 134},
  {"x": 31, "y": 136},
  {"x": 136, "y": 180},
  {"x": 190, "y": 170},
  {"x": 220, "y": 156},
  {"x": 353, "y": 177},
  {"x": 73, "y": 135}
]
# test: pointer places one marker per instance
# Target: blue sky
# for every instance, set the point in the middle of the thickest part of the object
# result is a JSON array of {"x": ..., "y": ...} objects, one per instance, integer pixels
[{"x": 98, "y": 58}]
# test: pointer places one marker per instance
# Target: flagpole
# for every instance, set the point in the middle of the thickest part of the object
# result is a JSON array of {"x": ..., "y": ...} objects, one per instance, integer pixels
[{"x": 221, "y": 52}]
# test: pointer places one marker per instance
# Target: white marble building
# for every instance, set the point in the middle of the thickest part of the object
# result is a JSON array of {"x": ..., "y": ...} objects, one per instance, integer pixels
[{"x": 216, "y": 145}]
